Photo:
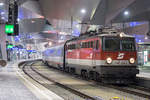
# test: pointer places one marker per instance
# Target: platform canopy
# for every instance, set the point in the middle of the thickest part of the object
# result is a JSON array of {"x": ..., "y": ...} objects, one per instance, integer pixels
[{"x": 65, "y": 9}]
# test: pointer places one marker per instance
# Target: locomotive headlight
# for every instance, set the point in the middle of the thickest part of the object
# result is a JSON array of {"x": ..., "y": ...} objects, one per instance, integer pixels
[
  {"x": 121, "y": 35},
  {"x": 132, "y": 60},
  {"x": 109, "y": 60}
]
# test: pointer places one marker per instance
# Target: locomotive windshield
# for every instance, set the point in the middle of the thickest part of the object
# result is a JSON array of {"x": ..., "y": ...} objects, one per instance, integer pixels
[
  {"x": 111, "y": 44},
  {"x": 128, "y": 45},
  {"x": 116, "y": 44}
]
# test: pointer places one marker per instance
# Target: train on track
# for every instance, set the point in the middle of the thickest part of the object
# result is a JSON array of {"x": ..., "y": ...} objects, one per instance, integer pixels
[{"x": 107, "y": 56}]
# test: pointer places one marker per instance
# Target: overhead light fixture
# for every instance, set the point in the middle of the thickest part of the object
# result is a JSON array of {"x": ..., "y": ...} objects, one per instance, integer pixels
[
  {"x": 1, "y": 4},
  {"x": 146, "y": 38},
  {"x": 83, "y": 11},
  {"x": 50, "y": 43},
  {"x": 2, "y": 13},
  {"x": 2, "y": 17},
  {"x": 77, "y": 26},
  {"x": 126, "y": 13},
  {"x": 32, "y": 21},
  {"x": 18, "y": 19}
]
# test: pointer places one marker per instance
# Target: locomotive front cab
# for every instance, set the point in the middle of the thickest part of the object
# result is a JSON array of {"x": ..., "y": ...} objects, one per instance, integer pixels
[
  {"x": 119, "y": 57},
  {"x": 119, "y": 49}
]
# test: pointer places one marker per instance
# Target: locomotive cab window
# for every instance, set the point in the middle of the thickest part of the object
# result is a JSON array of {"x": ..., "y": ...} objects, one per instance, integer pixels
[
  {"x": 128, "y": 44},
  {"x": 115, "y": 44},
  {"x": 111, "y": 44}
]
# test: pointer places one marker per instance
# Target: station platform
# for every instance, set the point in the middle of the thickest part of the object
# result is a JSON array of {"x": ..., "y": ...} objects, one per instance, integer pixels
[
  {"x": 144, "y": 74},
  {"x": 144, "y": 71},
  {"x": 14, "y": 86}
]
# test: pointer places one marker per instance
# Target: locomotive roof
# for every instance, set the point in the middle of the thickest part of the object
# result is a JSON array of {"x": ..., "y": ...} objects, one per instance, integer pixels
[
  {"x": 101, "y": 35},
  {"x": 124, "y": 35}
]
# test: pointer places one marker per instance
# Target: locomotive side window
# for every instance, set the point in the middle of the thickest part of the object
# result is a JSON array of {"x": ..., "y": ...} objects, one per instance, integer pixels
[
  {"x": 97, "y": 44},
  {"x": 94, "y": 44},
  {"x": 71, "y": 46},
  {"x": 86, "y": 44},
  {"x": 91, "y": 44}
]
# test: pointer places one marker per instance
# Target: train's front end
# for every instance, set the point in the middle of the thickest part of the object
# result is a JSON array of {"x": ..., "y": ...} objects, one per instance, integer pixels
[{"x": 120, "y": 59}]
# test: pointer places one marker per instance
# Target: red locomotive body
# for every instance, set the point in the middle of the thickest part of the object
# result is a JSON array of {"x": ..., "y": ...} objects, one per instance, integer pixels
[{"x": 110, "y": 58}]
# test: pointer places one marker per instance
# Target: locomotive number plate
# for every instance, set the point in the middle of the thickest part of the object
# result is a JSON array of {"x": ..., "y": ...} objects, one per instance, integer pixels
[{"x": 123, "y": 62}]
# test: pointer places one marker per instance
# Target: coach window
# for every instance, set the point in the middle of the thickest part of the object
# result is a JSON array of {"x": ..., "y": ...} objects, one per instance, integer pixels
[
  {"x": 87, "y": 45},
  {"x": 97, "y": 44},
  {"x": 81, "y": 44},
  {"x": 68, "y": 47},
  {"x": 84, "y": 45},
  {"x": 71, "y": 47},
  {"x": 74, "y": 46},
  {"x": 78, "y": 46}
]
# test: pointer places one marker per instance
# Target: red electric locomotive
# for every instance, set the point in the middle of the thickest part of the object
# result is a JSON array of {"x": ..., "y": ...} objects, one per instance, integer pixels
[{"x": 108, "y": 56}]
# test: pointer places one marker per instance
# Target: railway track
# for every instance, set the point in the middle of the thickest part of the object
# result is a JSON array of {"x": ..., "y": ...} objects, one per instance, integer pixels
[
  {"x": 78, "y": 93},
  {"x": 135, "y": 90},
  {"x": 131, "y": 89},
  {"x": 140, "y": 88}
]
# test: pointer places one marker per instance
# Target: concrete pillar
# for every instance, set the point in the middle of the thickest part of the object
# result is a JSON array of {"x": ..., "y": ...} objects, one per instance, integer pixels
[
  {"x": 3, "y": 39},
  {"x": 148, "y": 33}
]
